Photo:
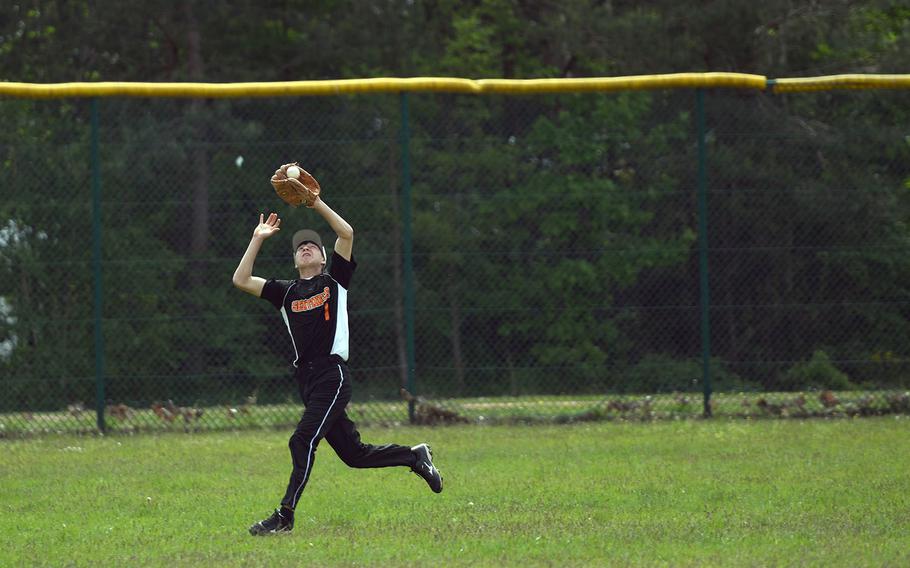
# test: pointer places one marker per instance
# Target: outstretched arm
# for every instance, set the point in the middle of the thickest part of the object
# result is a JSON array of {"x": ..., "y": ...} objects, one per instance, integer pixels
[
  {"x": 345, "y": 242},
  {"x": 243, "y": 276}
]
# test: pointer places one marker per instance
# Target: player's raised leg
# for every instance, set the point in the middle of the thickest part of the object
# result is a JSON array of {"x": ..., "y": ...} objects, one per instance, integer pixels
[{"x": 345, "y": 440}]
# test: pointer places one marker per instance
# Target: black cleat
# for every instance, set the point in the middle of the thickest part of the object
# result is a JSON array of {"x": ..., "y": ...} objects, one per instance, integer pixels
[
  {"x": 425, "y": 468},
  {"x": 277, "y": 523}
]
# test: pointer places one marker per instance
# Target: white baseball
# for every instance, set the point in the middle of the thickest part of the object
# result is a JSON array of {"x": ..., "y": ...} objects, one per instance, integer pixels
[{"x": 293, "y": 172}]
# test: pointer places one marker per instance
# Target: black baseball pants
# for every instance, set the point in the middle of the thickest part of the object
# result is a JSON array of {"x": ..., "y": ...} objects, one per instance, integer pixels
[{"x": 325, "y": 388}]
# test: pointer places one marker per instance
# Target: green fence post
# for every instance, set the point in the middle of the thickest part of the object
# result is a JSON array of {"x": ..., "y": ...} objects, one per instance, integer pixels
[
  {"x": 705, "y": 296},
  {"x": 96, "y": 268},
  {"x": 408, "y": 250}
]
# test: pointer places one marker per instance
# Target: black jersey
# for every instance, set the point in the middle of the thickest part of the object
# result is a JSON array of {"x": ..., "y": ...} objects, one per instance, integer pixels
[{"x": 315, "y": 311}]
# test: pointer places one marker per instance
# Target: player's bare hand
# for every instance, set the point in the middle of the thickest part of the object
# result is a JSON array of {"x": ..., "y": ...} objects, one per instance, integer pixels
[{"x": 267, "y": 227}]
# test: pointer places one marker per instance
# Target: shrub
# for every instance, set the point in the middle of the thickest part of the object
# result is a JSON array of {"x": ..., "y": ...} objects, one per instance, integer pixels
[
  {"x": 816, "y": 373},
  {"x": 662, "y": 373}
]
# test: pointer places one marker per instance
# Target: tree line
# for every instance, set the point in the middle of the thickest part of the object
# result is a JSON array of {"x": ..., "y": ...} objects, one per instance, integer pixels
[{"x": 554, "y": 237}]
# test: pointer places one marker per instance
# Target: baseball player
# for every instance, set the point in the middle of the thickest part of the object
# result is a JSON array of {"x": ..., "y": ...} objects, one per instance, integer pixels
[{"x": 314, "y": 310}]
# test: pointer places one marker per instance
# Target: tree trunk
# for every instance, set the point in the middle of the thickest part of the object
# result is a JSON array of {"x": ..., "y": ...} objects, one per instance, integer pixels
[
  {"x": 199, "y": 179},
  {"x": 513, "y": 377},
  {"x": 397, "y": 282},
  {"x": 455, "y": 319},
  {"x": 199, "y": 163}
]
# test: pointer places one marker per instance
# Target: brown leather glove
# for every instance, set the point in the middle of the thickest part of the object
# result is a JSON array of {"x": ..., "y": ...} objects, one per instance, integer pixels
[{"x": 302, "y": 190}]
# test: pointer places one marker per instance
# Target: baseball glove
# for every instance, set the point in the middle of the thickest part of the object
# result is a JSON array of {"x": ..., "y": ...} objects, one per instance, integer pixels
[{"x": 302, "y": 190}]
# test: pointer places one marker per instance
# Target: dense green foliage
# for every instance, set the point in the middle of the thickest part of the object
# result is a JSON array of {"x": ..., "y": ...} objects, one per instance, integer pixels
[{"x": 554, "y": 237}]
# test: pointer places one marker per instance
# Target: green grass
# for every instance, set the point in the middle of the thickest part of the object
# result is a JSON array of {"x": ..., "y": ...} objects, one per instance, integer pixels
[{"x": 669, "y": 493}]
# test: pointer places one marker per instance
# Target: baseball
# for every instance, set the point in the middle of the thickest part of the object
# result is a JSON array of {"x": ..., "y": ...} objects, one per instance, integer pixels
[{"x": 293, "y": 172}]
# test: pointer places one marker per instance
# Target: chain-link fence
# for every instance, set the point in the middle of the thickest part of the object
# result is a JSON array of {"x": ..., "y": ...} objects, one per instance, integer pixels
[{"x": 520, "y": 258}]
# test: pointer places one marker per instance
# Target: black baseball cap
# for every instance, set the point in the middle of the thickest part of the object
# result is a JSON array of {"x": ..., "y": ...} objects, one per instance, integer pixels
[{"x": 306, "y": 235}]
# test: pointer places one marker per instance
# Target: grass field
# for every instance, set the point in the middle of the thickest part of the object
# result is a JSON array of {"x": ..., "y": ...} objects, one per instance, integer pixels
[{"x": 672, "y": 493}]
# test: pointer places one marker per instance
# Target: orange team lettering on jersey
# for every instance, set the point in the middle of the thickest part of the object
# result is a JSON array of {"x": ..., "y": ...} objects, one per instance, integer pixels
[{"x": 311, "y": 303}]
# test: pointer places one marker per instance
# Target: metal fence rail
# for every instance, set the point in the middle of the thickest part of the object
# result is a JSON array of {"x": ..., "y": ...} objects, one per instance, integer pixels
[{"x": 547, "y": 257}]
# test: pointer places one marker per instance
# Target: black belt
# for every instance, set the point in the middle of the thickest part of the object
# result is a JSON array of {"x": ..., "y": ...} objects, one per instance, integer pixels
[{"x": 319, "y": 363}]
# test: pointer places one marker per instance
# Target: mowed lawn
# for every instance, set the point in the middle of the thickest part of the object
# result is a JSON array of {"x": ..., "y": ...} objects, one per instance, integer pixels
[{"x": 680, "y": 493}]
